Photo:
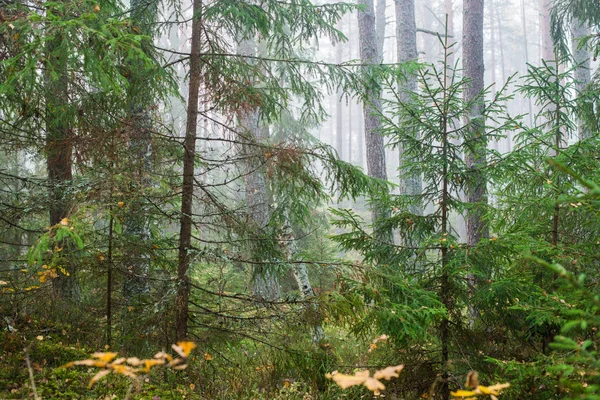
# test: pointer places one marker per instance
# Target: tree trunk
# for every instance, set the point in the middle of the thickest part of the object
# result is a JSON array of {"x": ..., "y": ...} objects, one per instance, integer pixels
[
  {"x": 372, "y": 109},
  {"x": 547, "y": 46},
  {"x": 187, "y": 190},
  {"x": 525, "y": 39},
  {"x": 581, "y": 57},
  {"x": 406, "y": 41},
  {"x": 475, "y": 157},
  {"x": 300, "y": 273},
  {"x": 137, "y": 224},
  {"x": 265, "y": 284},
  {"x": 59, "y": 148},
  {"x": 380, "y": 24},
  {"x": 339, "y": 134}
]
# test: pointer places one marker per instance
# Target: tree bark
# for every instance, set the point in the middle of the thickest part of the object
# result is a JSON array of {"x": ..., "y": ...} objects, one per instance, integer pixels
[
  {"x": 406, "y": 41},
  {"x": 376, "y": 167},
  {"x": 265, "y": 283},
  {"x": 380, "y": 24},
  {"x": 59, "y": 148},
  {"x": 475, "y": 157},
  {"x": 187, "y": 191},
  {"x": 581, "y": 57},
  {"x": 137, "y": 223}
]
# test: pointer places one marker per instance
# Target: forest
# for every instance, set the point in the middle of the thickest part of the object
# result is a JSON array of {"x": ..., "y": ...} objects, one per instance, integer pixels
[{"x": 299, "y": 199}]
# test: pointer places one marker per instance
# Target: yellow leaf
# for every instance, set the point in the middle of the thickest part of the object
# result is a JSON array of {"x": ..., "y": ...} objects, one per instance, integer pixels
[
  {"x": 184, "y": 348},
  {"x": 180, "y": 367},
  {"x": 192, "y": 386},
  {"x": 373, "y": 385},
  {"x": 345, "y": 381},
  {"x": 3, "y": 283},
  {"x": 124, "y": 370},
  {"x": 40, "y": 337},
  {"x": 464, "y": 393},
  {"x": 96, "y": 8},
  {"x": 106, "y": 357},
  {"x": 151, "y": 363},
  {"x": 121, "y": 204},
  {"x": 494, "y": 389},
  {"x": 88, "y": 363},
  {"x": 135, "y": 29},
  {"x": 16, "y": 36},
  {"x": 164, "y": 355},
  {"x": 101, "y": 374},
  {"x": 207, "y": 357},
  {"x": 64, "y": 221},
  {"x": 134, "y": 361},
  {"x": 389, "y": 372},
  {"x": 267, "y": 155}
]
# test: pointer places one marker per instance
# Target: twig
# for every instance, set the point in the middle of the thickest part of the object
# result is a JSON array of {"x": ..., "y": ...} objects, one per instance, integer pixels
[{"x": 35, "y": 393}]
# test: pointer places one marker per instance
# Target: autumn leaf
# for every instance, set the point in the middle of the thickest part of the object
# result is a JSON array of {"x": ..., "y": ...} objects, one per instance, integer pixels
[
  {"x": 162, "y": 354},
  {"x": 124, "y": 370},
  {"x": 121, "y": 204},
  {"x": 64, "y": 221},
  {"x": 150, "y": 363},
  {"x": 134, "y": 361},
  {"x": 101, "y": 374},
  {"x": 96, "y": 8},
  {"x": 345, "y": 381},
  {"x": 106, "y": 357},
  {"x": 184, "y": 348},
  {"x": 389, "y": 372},
  {"x": 207, "y": 357},
  {"x": 374, "y": 385}
]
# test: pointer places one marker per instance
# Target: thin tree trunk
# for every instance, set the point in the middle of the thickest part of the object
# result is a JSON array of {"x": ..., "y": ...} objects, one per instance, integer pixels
[
  {"x": 339, "y": 138},
  {"x": 525, "y": 39},
  {"x": 406, "y": 41},
  {"x": 581, "y": 57},
  {"x": 449, "y": 8},
  {"x": 300, "y": 272},
  {"x": 59, "y": 148},
  {"x": 445, "y": 274},
  {"x": 187, "y": 191},
  {"x": 376, "y": 167}
]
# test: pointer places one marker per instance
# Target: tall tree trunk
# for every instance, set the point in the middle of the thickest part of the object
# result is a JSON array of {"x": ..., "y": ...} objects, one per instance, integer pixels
[
  {"x": 339, "y": 132},
  {"x": 372, "y": 109},
  {"x": 475, "y": 158},
  {"x": 475, "y": 155},
  {"x": 406, "y": 42},
  {"x": 137, "y": 224},
  {"x": 59, "y": 148},
  {"x": 526, "y": 48},
  {"x": 581, "y": 57},
  {"x": 547, "y": 46},
  {"x": 187, "y": 190},
  {"x": 380, "y": 24},
  {"x": 265, "y": 284}
]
